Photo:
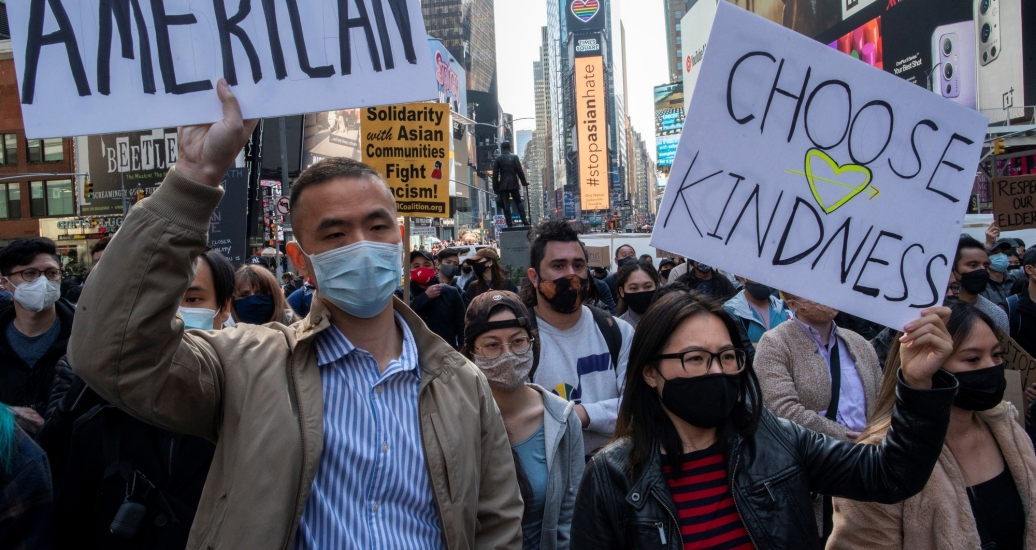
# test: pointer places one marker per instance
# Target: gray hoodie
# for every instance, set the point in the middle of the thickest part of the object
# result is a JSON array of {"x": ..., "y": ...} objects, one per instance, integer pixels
[{"x": 563, "y": 434}]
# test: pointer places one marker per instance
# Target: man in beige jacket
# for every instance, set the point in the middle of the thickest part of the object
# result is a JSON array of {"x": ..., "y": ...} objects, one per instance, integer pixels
[{"x": 354, "y": 427}]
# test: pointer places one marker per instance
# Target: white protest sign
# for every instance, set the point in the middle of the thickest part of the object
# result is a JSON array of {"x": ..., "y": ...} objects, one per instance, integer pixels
[
  {"x": 105, "y": 66},
  {"x": 809, "y": 171}
]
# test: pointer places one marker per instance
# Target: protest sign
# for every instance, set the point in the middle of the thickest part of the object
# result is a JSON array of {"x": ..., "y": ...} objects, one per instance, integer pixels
[
  {"x": 598, "y": 256},
  {"x": 156, "y": 64},
  {"x": 409, "y": 145},
  {"x": 817, "y": 174},
  {"x": 1017, "y": 359},
  {"x": 1012, "y": 202}
]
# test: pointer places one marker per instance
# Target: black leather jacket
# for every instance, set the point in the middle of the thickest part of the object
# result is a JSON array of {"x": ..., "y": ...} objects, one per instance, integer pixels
[{"x": 772, "y": 475}]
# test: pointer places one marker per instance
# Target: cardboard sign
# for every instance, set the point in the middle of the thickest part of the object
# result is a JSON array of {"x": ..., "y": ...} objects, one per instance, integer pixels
[
  {"x": 598, "y": 256},
  {"x": 409, "y": 145},
  {"x": 156, "y": 63},
  {"x": 1016, "y": 358},
  {"x": 817, "y": 174},
  {"x": 1013, "y": 206}
]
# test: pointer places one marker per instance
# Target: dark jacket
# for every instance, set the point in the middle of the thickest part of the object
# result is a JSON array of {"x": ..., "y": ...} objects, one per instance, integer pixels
[
  {"x": 604, "y": 298},
  {"x": 443, "y": 315},
  {"x": 169, "y": 470},
  {"x": 70, "y": 399},
  {"x": 471, "y": 289},
  {"x": 772, "y": 476},
  {"x": 507, "y": 172},
  {"x": 1024, "y": 329},
  {"x": 21, "y": 386},
  {"x": 719, "y": 287},
  {"x": 26, "y": 498}
]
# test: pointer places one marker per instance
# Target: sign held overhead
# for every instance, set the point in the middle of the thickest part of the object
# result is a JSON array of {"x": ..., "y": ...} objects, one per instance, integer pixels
[
  {"x": 819, "y": 174},
  {"x": 156, "y": 63}
]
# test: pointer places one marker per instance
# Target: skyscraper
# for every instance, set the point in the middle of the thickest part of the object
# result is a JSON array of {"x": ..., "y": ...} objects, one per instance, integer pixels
[{"x": 674, "y": 12}]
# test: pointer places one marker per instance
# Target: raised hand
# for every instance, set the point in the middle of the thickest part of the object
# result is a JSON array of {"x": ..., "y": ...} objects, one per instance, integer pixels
[
  {"x": 207, "y": 151},
  {"x": 925, "y": 346},
  {"x": 992, "y": 234}
]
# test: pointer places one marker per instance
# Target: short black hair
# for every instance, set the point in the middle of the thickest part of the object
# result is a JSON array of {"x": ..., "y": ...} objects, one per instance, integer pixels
[
  {"x": 966, "y": 241},
  {"x": 551, "y": 231},
  {"x": 330, "y": 169},
  {"x": 506, "y": 146},
  {"x": 447, "y": 253},
  {"x": 24, "y": 252},
  {"x": 625, "y": 245},
  {"x": 1030, "y": 257},
  {"x": 100, "y": 245},
  {"x": 223, "y": 281}
]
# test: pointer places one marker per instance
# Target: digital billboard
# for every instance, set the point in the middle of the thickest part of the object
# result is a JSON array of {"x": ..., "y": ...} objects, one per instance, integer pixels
[
  {"x": 666, "y": 149},
  {"x": 584, "y": 15},
  {"x": 592, "y": 133},
  {"x": 669, "y": 109}
]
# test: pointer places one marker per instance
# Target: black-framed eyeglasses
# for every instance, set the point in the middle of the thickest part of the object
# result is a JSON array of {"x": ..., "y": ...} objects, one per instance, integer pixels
[
  {"x": 955, "y": 288},
  {"x": 31, "y": 274},
  {"x": 520, "y": 345},
  {"x": 698, "y": 362}
]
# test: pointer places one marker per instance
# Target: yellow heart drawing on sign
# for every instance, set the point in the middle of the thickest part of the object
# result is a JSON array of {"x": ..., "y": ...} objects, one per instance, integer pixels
[{"x": 848, "y": 169}]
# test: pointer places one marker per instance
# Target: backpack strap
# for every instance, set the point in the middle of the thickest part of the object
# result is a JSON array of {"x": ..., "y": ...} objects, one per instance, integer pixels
[
  {"x": 1014, "y": 315},
  {"x": 611, "y": 332}
]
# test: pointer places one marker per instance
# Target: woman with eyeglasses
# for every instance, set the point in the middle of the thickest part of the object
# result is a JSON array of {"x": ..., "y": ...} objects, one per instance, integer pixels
[
  {"x": 698, "y": 462},
  {"x": 545, "y": 433}
]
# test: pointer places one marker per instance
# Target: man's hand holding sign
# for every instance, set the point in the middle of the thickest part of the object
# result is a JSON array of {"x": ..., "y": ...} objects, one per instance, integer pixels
[{"x": 818, "y": 174}]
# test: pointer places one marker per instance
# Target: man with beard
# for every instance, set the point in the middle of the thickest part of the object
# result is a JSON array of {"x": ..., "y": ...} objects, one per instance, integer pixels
[{"x": 585, "y": 349}]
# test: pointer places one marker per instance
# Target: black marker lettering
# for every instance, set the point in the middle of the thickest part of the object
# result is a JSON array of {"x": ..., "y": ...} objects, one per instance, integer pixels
[
  {"x": 873, "y": 292},
  {"x": 165, "y": 50},
  {"x": 913, "y": 145},
  {"x": 270, "y": 12},
  {"x": 324, "y": 71},
  {"x": 902, "y": 274},
  {"x": 954, "y": 137},
  {"x": 226, "y": 27},
  {"x": 345, "y": 26},
  {"x": 777, "y": 260},
  {"x": 35, "y": 40},
  {"x": 401, "y": 14},
  {"x": 730, "y": 84},
  {"x": 848, "y": 114},
  {"x": 844, "y": 230},
  {"x": 888, "y": 138},
  {"x": 798, "y": 104},
  {"x": 683, "y": 187},
  {"x": 737, "y": 181},
  {"x": 931, "y": 283},
  {"x": 759, "y": 236},
  {"x": 120, "y": 11}
]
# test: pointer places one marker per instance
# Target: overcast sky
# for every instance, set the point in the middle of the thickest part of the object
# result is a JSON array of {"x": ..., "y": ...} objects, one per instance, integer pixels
[{"x": 518, "y": 40}]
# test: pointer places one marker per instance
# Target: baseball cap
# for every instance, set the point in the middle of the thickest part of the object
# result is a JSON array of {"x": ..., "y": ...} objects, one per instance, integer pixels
[
  {"x": 486, "y": 254},
  {"x": 476, "y": 319},
  {"x": 1003, "y": 243},
  {"x": 414, "y": 253},
  {"x": 446, "y": 253}
]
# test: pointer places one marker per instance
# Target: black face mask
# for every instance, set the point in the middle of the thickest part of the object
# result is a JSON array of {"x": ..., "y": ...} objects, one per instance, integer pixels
[
  {"x": 623, "y": 261},
  {"x": 703, "y": 401},
  {"x": 466, "y": 269},
  {"x": 480, "y": 268},
  {"x": 975, "y": 282},
  {"x": 448, "y": 271},
  {"x": 565, "y": 295},
  {"x": 980, "y": 390},
  {"x": 758, "y": 291},
  {"x": 639, "y": 301},
  {"x": 1013, "y": 267},
  {"x": 664, "y": 274}
]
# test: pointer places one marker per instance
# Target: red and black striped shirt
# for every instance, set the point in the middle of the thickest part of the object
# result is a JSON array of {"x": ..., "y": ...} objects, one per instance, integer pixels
[{"x": 704, "y": 504}]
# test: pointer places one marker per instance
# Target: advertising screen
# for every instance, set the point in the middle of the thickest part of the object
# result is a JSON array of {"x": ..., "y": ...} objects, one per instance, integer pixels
[
  {"x": 592, "y": 133},
  {"x": 667, "y": 150},
  {"x": 669, "y": 109},
  {"x": 124, "y": 161},
  {"x": 584, "y": 15}
]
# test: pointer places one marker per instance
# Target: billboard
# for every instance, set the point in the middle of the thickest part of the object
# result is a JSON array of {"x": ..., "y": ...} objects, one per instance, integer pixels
[
  {"x": 591, "y": 133},
  {"x": 330, "y": 134},
  {"x": 585, "y": 15},
  {"x": 228, "y": 226},
  {"x": 666, "y": 149},
  {"x": 123, "y": 161},
  {"x": 669, "y": 109},
  {"x": 694, "y": 36},
  {"x": 450, "y": 77},
  {"x": 587, "y": 45}
]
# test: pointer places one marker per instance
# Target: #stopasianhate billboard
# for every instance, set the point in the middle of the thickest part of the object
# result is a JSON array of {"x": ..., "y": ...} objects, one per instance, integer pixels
[{"x": 591, "y": 133}]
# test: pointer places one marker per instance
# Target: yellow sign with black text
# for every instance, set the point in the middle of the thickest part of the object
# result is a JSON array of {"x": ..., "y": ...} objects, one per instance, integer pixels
[{"x": 409, "y": 145}]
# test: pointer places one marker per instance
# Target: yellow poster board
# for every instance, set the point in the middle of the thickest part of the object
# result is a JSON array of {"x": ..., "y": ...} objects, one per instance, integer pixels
[{"x": 409, "y": 145}]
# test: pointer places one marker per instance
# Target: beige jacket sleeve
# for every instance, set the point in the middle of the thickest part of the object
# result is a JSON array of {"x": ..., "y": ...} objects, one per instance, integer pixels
[
  {"x": 773, "y": 364},
  {"x": 865, "y": 525},
  {"x": 128, "y": 343},
  {"x": 500, "y": 506}
]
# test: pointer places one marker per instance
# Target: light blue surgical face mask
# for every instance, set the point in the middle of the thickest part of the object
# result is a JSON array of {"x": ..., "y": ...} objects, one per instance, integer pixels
[
  {"x": 359, "y": 278},
  {"x": 999, "y": 263},
  {"x": 200, "y": 318}
]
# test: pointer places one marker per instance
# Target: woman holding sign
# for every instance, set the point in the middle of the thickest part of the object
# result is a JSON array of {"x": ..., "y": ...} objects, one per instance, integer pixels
[
  {"x": 983, "y": 489},
  {"x": 698, "y": 462}
]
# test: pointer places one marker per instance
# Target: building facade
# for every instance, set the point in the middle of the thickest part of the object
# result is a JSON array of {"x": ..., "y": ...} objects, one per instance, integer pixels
[{"x": 674, "y": 12}]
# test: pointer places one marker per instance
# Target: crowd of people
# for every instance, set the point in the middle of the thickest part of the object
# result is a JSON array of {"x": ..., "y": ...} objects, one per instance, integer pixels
[{"x": 180, "y": 403}]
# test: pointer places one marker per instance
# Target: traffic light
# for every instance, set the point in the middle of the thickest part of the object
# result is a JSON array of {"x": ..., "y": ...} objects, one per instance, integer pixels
[
  {"x": 88, "y": 188},
  {"x": 998, "y": 146}
]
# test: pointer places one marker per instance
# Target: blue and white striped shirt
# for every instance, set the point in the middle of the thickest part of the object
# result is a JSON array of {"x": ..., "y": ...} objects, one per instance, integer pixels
[{"x": 372, "y": 489}]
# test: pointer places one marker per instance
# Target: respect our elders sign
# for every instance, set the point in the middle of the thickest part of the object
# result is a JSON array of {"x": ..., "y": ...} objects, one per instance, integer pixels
[
  {"x": 409, "y": 145},
  {"x": 1013, "y": 206},
  {"x": 820, "y": 175},
  {"x": 156, "y": 63}
]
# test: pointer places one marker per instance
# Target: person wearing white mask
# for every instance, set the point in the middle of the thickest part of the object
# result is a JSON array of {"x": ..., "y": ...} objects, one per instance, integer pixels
[
  {"x": 355, "y": 427},
  {"x": 34, "y": 332},
  {"x": 545, "y": 432}
]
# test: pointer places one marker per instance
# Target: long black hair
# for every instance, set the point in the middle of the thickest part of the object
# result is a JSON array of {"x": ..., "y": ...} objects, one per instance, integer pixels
[
  {"x": 625, "y": 272},
  {"x": 641, "y": 417}
]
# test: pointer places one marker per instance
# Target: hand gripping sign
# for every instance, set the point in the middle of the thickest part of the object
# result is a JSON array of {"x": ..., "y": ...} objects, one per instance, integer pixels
[
  {"x": 809, "y": 171},
  {"x": 104, "y": 66}
]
